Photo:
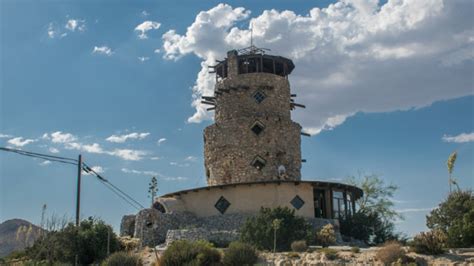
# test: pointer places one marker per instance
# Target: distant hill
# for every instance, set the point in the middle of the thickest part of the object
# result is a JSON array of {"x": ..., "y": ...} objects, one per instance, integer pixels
[{"x": 9, "y": 241}]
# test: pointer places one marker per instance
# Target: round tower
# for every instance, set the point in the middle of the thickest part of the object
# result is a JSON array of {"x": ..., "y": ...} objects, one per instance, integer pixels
[{"x": 253, "y": 137}]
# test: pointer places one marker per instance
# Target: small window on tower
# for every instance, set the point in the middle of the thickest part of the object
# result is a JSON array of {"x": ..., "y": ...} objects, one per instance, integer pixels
[
  {"x": 257, "y": 128},
  {"x": 259, "y": 96},
  {"x": 258, "y": 162}
]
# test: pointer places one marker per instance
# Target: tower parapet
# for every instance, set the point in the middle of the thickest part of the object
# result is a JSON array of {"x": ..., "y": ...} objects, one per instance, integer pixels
[{"x": 253, "y": 137}]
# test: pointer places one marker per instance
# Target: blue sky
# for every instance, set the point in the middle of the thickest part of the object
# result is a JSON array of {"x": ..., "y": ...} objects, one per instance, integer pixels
[{"x": 382, "y": 90}]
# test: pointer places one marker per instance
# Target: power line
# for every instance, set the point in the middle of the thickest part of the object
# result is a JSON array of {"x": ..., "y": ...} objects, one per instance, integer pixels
[
  {"x": 112, "y": 186},
  {"x": 122, "y": 194},
  {"x": 41, "y": 156}
]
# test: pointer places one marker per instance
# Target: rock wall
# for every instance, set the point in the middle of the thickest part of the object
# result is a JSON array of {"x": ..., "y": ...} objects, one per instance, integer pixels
[
  {"x": 231, "y": 146},
  {"x": 155, "y": 228}
]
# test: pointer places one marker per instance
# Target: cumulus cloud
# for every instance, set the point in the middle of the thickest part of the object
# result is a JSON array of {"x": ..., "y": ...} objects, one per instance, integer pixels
[
  {"x": 5, "y": 136},
  {"x": 123, "y": 138},
  {"x": 53, "y": 150},
  {"x": 153, "y": 173},
  {"x": 45, "y": 163},
  {"x": 461, "y": 138},
  {"x": 353, "y": 56},
  {"x": 102, "y": 50},
  {"x": 128, "y": 154},
  {"x": 125, "y": 154},
  {"x": 160, "y": 141},
  {"x": 60, "y": 137},
  {"x": 20, "y": 141},
  {"x": 147, "y": 26},
  {"x": 191, "y": 158},
  {"x": 75, "y": 24},
  {"x": 55, "y": 30}
]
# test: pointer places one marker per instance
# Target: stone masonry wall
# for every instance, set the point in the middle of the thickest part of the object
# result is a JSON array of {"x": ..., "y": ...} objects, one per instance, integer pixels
[
  {"x": 230, "y": 146},
  {"x": 155, "y": 228}
]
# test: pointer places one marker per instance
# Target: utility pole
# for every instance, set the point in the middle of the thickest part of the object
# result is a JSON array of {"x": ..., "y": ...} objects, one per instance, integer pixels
[
  {"x": 78, "y": 202},
  {"x": 78, "y": 199}
]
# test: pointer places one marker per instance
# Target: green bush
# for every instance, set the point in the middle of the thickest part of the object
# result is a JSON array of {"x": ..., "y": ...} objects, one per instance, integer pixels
[
  {"x": 355, "y": 249},
  {"x": 89, "y": 241},
  {"x": 239, "y": 253},
  {"x": 299, "y": 246},
  {"x": 122, "y": 259},
  {"x": 455, "y": 217},
  {"x": 329, "y": 253},
  {"x": 196, "y": 253},
  {"x": 326, "y": 236},
  {"x": 258, "y": 230},
  {"x": 390, "y": 252},
  {"x": 431, "y": 242}
]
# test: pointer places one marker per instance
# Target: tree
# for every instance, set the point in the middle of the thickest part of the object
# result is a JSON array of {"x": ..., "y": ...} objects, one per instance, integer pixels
[
  {"x": 373, "y": 221},
  {"x": 152, "y": 189},
  {"x": 455, "y": 217},
  {"x": 259, "y": 230}
]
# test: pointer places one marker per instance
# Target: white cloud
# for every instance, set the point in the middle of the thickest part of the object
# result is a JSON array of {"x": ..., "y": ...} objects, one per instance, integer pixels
[
  {"x": 157, "y": 51},
  {"x": 461, "y": 138},
  {"x": 180, "y": 164},
  {"x": 123, "y": 138},
  {"x": 143, "y": 58},
  {"x": 5, "y": 136},
  {"x": 353, "y": 56},
  {"x": 53, "y": 30},
  {"x": 75, "y": 24},
  {"x": 191, "y": 158},
  {"x": 128, "y": 154},
  {"x": 155, "y": 158},
  {"x": 145, "y": 13},
  {"x": 147, "y": 26},
  {"x": 45, "y": 163},
  {"x": 60, "y": 137},
  {"x": 102, "y": 50},
  {"x": 20, "y": 141},
  {"x": 160, "y": 141},
  {"x": 154, "y": 173},
  {"x": 414, "y": 210},
  {"x": 53, "y": 150}
]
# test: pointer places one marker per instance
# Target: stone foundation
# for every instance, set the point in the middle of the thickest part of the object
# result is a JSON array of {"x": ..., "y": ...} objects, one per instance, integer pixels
[{"x": 154, "y": 227}]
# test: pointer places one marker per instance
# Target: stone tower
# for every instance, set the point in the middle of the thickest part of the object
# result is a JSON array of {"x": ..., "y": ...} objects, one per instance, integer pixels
[{"x": 253, "y": 138}]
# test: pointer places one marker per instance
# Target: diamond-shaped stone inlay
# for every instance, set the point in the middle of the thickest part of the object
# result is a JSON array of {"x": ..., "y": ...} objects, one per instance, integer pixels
[
  {"x": 222, "y": 204},
  {"x": 257, "y": 128},
  {"x": 259, "y": 96},
  {"x": 258, "y": 163},
  {"x": 297, "y": 202}
]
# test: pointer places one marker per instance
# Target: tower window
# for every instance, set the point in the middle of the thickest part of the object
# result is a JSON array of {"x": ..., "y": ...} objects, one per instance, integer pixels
[
  {"x": 259, "y": 96},
  {"x": 258, "y": 162},
  {"x": 297, "y": 202},
  {"x": 222, "y": 204},
  {"x": 257, "y": 128}
]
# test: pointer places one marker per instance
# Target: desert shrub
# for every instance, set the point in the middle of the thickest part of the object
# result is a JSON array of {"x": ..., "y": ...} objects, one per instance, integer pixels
[
  {"x": 390, "y": 252},
  {"x": 299, "y": 246},
  {"x": 122, "y": 259},
  {"x": 258, "y": 230},
  {"x": 239, "y": 253},
  {"x": 89, "y": 241},
  {"x": 128, "y": 243},
  {"x": 455, "y": 217},
  {"x": 183, "y": 252},
  {"x": 431, "y": 242},
  {"x": 355, "y": 249},
  {"x": 329, "y": 253},
  {"x": 326, "y": 236}
]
